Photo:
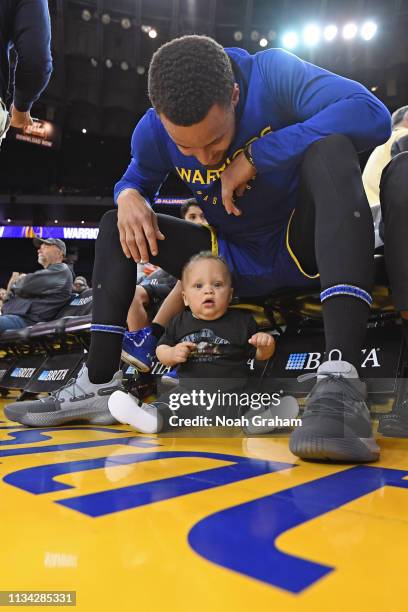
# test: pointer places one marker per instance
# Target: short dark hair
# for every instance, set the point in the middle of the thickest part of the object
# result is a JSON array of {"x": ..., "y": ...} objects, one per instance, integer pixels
[
  {"x": 184, "y": 208},
  {"x": 399, "y": 115},
  {"x": 187, "y": 76},
  {"x": 209, "y": 256}
]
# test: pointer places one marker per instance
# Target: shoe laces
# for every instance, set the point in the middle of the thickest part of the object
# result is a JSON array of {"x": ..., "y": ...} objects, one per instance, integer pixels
[
  {"x": 347, "y": 403},
  {"x": 141, "y": 334},
  {"x": 76, "y": 387}
]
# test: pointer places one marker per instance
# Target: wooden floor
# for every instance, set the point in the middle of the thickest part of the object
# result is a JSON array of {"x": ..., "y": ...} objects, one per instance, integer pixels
[{"x": 135, "y": 522}]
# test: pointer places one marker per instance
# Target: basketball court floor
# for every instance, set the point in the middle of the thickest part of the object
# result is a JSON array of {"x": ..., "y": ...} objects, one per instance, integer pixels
[{"x": 134, "y": 522}]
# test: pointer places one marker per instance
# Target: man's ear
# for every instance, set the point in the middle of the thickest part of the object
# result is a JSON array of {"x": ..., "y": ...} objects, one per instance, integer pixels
[{"x": 235, "y": 95}]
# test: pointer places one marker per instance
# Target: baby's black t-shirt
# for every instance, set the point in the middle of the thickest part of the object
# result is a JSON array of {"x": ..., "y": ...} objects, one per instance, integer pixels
[{"x": 222, "y": 344}]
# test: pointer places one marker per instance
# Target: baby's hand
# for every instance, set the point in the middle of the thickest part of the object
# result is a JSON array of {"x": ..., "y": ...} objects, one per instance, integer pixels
[
  {"x": 182, "y": 350},
  {"x": 261, "y": 339},
  {"x": 265, "y": 345}
]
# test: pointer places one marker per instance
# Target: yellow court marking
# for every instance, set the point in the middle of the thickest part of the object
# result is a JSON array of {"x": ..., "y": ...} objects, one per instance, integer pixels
[{"x": 201, "y": 523}]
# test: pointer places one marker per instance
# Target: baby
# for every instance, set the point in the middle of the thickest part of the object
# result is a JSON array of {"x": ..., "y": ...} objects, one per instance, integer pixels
[{"x": 208, "y": 342}]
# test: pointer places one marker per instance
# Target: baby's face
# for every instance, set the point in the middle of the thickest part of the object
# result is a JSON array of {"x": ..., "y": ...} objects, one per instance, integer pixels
[{"x": 207, "y": 289}]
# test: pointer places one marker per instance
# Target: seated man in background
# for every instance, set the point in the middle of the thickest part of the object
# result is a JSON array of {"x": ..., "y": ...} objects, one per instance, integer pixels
[
  {"x": 39, "y": 296},
  {"x": 80, "y": 284},
  {"x": 157, "y": 298},
  {"x": 382, "y": 155},
  {"x": 3, "y": 295},
  {"x": 378, "y": 160}
]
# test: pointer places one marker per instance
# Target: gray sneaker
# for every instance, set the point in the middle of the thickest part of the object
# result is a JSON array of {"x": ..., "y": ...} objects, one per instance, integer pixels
[
  {"x": 78, "y": 400},
  {"x": 273, "y": 419},
  {"x": 336, "y": 424}
]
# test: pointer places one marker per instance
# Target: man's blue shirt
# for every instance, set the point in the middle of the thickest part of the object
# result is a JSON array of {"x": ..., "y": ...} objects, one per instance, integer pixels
[{"x": 285, "y": 105}]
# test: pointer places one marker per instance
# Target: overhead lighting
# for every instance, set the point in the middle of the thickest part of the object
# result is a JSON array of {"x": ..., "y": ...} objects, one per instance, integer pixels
[
  {"x": 94, "y": 62},
  {"x": 374, "y": 88},
  {"x": 330, "y": 32},
  {"x": 84, "y": 130},
  {"x": 124, "y": 66},
  {"x": 86, "y": 15},
  {"x": 290, "y": 40},
  {"x": 145, "y": 28},
  {"x": 126, "y": 23},
  {"x": 349, "y": 31},
  {"x": 368, "y": 30},
  {"x": 108, "y": 63},
  {"x": 82, "y": 221},
  {"x": 153, "y": 33},
  {"x": 55, "y": 220},
  {"x": 106, "y": 19},
  {"x": 238, "y": 35},
  {"x": 8, "y": 220},
  {"x": 140, "y": 70},
  {"x": 311, "y": 34},
  {"x": 254, "y": 35},
  {"x": 263, "y": 42}
]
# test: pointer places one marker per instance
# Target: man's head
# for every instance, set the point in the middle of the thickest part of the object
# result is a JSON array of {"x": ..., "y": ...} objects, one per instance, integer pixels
[
  {"x": 192, "y": 88},
  {"x": 80, "y": 284},
  {"x": 206, "y": 284},
  {"x": 50, "y": 250},
  {"x": 191, "y": 211},
  {"x": 399, "y": 118}
]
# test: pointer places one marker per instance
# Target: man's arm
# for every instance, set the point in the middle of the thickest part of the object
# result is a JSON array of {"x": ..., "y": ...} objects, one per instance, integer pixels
[
  {"x": 150, "y": 163},
  {"x": 43, "y": 282},
  {"x": 149, "y": 167},
  {"x": 32, "y": 39},
  {"x": 319, "y": 103}
]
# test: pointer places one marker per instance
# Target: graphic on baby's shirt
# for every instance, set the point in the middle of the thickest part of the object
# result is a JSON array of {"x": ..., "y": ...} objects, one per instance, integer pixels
[{"x": 210, "y": 347}]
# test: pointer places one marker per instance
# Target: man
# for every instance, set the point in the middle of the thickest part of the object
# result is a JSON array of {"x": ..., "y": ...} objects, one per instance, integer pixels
[
  {"x": 382, "y": 155},
  {"x": 39, "y": 296},
  {"x": 24, "y": 24},
  {"x": 267, "y": 144}
]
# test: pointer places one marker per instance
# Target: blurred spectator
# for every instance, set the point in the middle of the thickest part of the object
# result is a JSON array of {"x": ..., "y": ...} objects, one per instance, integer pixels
[
  {"x": 3, "y": 294},
  {"x": 80, "y": 284},
  {"x": 24, "y": 25},
  {"x": 38, "y": 296},
  {"x": 191, "y": 211},
  {"x": 382, "y": 155}
]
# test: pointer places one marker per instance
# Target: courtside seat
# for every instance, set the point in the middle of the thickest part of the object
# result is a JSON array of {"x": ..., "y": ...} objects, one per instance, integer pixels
[
  {"x": 289, "y": 304},
  {"x": 79, "y": 307}
]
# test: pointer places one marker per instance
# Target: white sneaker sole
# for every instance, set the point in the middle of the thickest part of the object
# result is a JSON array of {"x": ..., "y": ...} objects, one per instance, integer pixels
[{"x": 125, "y": 409}]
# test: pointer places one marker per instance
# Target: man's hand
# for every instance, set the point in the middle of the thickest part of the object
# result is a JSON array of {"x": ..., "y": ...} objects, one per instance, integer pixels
[
  {"x": 20, "y": 119},
  {"x": 14, "y": 277},
  {"x": 265, "y": 345},
  {"x": 182, "y": 350},
  {"x": 137, "y": 223},
  {"x": 234, "y": 181}
]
